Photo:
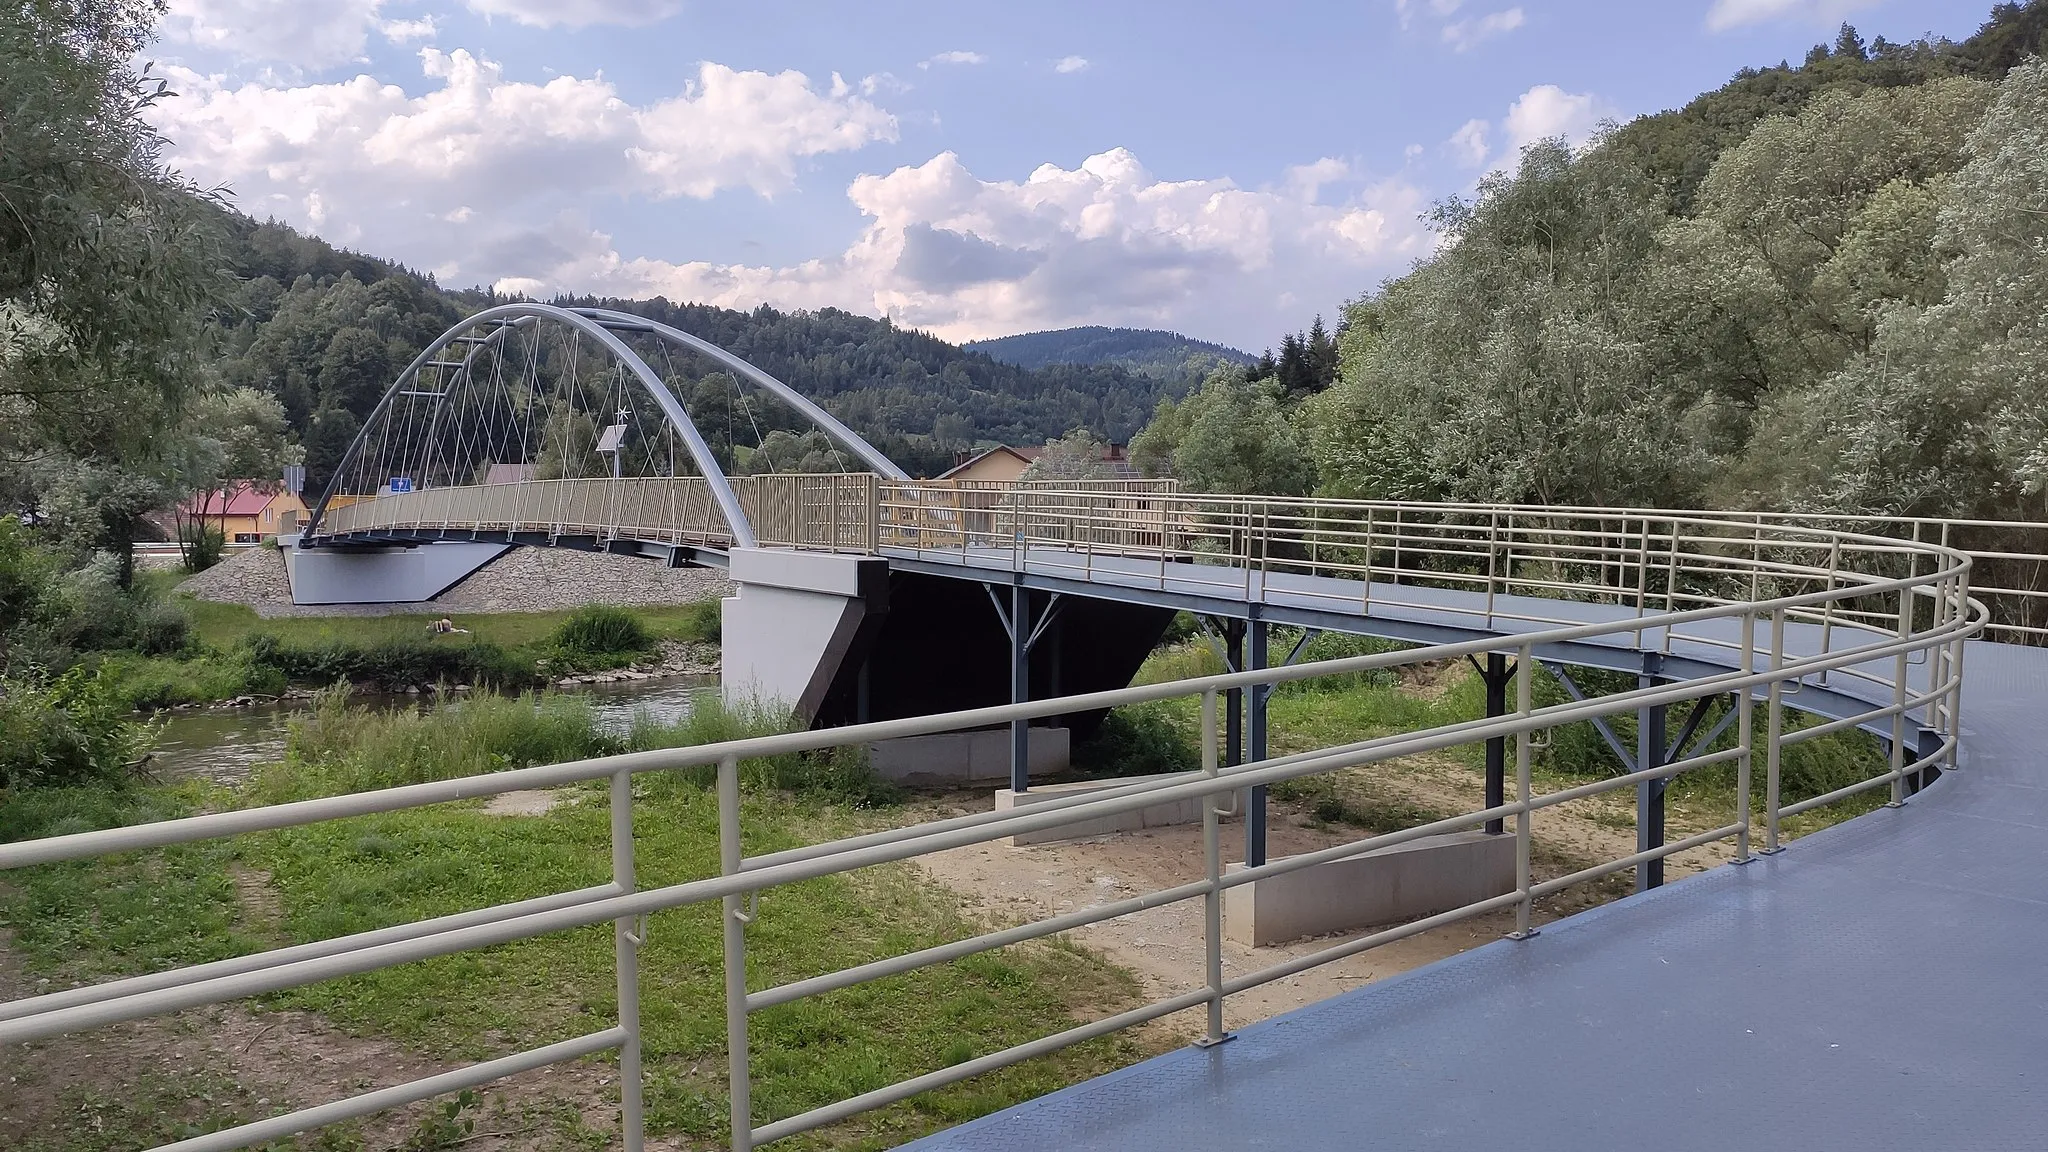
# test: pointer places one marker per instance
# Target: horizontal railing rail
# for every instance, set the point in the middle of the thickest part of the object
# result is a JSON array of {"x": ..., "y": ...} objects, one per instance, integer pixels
[
  {"x": 1884, "y": 621},
  {"x": 1507, "y": 549}
]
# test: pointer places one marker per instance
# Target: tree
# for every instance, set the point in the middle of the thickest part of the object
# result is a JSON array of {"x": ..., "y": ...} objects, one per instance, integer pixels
[
  {"x": 1231, "y": 436},
  {"x": 106, "y": 257},
  {"x": 1079, "y": 455}
]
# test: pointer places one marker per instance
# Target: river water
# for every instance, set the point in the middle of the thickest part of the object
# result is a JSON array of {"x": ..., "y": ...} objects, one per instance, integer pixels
[{"x": 224, "y": 744}]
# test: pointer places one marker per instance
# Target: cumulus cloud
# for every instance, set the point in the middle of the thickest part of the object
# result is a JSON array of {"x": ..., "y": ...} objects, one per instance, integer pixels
[
  {"x": 1463, "y": 34},
  {"x": 1105, "y": 242},
  {"x": 1547, "y": 110},
  {"x": 1067, "y": 64},
  {"x": 578, "y": 13},
  {"x": 300, "y": 35},
  {"x": 1469, "y": 143},
  {"x": 953, "y": 58},
  {"x": 371, "y": 165},
  {"x": 1729, "y": 14}
]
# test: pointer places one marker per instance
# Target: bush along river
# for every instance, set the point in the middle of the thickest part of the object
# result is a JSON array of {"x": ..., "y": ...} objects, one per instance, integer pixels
[{"x": 224, "y": 744}]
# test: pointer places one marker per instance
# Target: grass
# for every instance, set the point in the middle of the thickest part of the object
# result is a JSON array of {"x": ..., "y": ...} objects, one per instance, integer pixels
[
  {"x": 225, "y": 625},
  {"x": 1320, "y": 713},
  {"x": 146, "y": 910},
  {"x": 236, "y": 653}
]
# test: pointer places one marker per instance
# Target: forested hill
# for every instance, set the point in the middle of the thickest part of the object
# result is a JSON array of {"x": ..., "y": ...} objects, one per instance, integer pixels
[
  {"x": 1168, "y": 355},
  {"x": 1821, "y": 286},
  {"x": 325, "y": 331}
]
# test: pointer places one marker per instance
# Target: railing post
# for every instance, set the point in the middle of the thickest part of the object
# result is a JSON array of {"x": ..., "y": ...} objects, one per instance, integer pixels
[
  {"x": 738, "y": 1084},
  {"x": 627, "y": 936},
  {"x": 1900, "y": 666},
  {"x": 1955, "y": 704},
  {"x": 874, "y": 502},
  {"x": 1492, "y": 553},
  {"x": 1774, "y": 729},
  {"x": 1212, "y": 858},
  {"x": 1525, "y": 667},
  {"x": 1744, "y": 734}
]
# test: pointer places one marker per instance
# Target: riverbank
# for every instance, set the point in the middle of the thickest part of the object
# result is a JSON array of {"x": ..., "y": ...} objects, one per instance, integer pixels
[
  {"x": 523, "y": 580},
  {"x": 156, "y": 1080},
  {"x": 233, "y": 655}
]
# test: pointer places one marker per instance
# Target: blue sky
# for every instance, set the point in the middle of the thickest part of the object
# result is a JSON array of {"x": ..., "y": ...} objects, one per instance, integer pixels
[{"x": 977, "y": 169}]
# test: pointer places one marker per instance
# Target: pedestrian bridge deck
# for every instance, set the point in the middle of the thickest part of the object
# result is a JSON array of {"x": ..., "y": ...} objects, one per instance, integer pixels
[{"x": 1878, "y": 985}]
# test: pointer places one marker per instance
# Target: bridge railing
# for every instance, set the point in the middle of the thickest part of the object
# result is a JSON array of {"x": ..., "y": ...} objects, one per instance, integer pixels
[
  {"x": 1505, "y": 549},
  {"x": 1829, "y": 604}
]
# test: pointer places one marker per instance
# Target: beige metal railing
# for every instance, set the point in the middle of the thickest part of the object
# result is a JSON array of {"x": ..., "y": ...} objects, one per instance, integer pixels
[
  {"x": 1069, "y": 526},
  {"x": 1876, "y": 625}
]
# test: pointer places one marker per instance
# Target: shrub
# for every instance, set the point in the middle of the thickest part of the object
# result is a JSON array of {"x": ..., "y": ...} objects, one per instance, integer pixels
[
  {"x": 200, "y": 544},
  {"x": 392, "y": 665},
  {"x": 601, "y": 629},
  {"x": 1139, "y": 740},
  {"x": 73, "y": 729}
]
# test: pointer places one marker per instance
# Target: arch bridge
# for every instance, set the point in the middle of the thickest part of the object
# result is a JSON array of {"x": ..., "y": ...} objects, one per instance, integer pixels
[{"x": 1873, "y": 985}]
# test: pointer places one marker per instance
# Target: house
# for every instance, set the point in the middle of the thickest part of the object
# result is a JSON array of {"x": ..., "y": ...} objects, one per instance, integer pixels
[
  {"x": 1003, "y": 464},
  {"x": 246, "y": 512}
]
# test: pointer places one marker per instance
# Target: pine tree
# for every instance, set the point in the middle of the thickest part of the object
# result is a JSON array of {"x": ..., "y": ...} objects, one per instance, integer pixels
[
  {"x": 1848, "y": 43},
  {"x": 1296, "y": 378},
  {"x": 1322, "y": 355}
]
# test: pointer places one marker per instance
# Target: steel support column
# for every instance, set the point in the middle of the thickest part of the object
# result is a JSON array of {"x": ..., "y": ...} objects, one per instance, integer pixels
[
  {"x": 1020, "y": 685},
  {"x": 1496, "y": 674},
  {"x": 1255, "y": 734},
  {"x": 1650, "y": 753},
  {"x": 1233, "y": 698}
]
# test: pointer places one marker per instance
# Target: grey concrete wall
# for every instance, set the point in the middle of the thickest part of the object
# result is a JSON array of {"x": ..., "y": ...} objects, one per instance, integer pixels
[
  {"x": 964, "y": 758},
  {"x": 1419, "y": 878},
  {"x": 382, "y": 575},
  {"x": 1156, "y": 816},
  {"x": 792, "y": 624}
]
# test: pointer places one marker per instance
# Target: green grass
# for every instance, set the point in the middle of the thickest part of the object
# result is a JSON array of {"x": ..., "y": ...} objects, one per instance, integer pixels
[
  {"x": 146, "y": 910},
  {"x": 1338, "y": 710},
  {"x": 225, "y": 625}
]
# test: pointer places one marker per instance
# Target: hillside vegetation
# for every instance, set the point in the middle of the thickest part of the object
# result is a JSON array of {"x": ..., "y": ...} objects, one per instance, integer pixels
[
  {"x": 1145, "y": 351},
  {"x": 1822, "y": 286}
]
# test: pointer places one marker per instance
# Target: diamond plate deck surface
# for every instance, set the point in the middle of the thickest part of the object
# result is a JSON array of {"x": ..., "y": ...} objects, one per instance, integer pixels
[{"x": 1882, "y": 984}]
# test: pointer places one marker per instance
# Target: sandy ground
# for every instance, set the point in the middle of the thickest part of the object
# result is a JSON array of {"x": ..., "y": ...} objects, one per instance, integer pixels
[{"x": 1164, "y": 945}]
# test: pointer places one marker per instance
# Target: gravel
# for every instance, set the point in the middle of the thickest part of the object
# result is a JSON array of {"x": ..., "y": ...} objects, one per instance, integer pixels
[{"x": 522, "y": 580}]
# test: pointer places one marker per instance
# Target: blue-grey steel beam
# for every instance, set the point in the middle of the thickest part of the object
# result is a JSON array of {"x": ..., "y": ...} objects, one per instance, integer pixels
[{"x": 1255, "y": 737}]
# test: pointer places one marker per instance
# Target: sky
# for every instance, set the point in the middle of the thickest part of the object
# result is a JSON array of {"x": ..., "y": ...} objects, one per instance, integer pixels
[{"x": 1227, "y": 170}]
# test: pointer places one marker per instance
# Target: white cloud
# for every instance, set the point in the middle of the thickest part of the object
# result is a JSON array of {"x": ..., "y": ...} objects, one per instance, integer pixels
[
  {"x": 953, "y": 58},
  {"x": 578, "y": 13},
  {"x": 1105, "y": 242},
  {"x": 1463, "y": 34},
  {"x": 404, "y": 31},
  {"x": 1306, "y": 181},
  {"x": 302, "y": 35},
  {"x": 1469, "y": 143},
  {"x": 1547, "y": 110},
  {"x": 373, "y": 166},
  {"x": 1727, "y": 14},
  {"x": 1067, "y": 64}
]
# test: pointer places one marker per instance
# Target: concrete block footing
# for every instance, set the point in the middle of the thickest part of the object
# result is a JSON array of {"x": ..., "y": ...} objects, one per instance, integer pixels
[
  {"x": 1386, "y": 886},
  {"x": 1157, "y": 816},
  {"x": 960, "y": 759}
]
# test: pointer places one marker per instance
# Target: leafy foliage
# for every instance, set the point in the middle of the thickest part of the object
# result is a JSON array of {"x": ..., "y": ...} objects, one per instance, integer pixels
[
  {"x": 601, "y": 629},
  {"x": 1145, "y": 351}
]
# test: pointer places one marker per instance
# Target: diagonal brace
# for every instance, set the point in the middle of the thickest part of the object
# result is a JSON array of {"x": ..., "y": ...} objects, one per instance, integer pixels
[{"x": 1614, "y": 744}]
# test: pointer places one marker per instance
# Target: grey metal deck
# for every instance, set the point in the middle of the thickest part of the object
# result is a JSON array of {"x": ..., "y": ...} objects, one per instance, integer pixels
[{"x": 1882, "y": 984}]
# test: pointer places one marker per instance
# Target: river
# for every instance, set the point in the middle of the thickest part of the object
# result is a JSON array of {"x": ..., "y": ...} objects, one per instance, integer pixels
[{"x": 224, "y": 744}]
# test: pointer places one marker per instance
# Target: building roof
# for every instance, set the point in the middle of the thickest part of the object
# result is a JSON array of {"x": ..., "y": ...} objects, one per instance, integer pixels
[
  {"x": 241, "y": 498},
  {"x": 1113, "y": 455},
  {"x": 508, "y": 473}
]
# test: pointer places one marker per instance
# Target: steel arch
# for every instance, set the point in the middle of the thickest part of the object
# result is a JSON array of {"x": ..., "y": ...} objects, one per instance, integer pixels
[{"x": 603, "y": 325}]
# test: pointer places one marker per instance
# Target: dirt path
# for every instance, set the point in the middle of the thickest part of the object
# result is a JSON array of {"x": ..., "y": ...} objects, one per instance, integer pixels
[
  {"x": 141, "y": 1083},
  {"x": 1164, "y": 945}
]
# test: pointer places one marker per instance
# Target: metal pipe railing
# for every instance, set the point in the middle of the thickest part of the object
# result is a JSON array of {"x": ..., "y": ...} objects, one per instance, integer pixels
[{"x": 1677, "y": 547}]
